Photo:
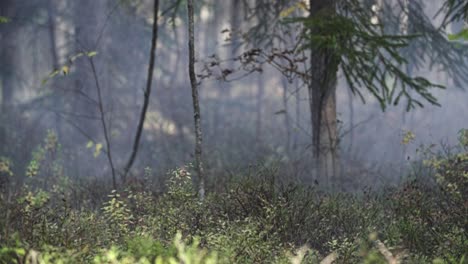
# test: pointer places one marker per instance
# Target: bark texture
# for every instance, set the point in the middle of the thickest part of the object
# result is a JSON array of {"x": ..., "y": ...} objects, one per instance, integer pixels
[
  {"x": 322, "y": 100},
  {"x": 196, "y": 102}
]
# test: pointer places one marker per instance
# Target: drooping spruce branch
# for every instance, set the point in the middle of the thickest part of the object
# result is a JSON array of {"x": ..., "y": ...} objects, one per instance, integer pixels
[
  {"x": 431, "y": 48},
  {"x": 369, "y": 58},
  {"x": 454, "y": 10},
  {"x": 147, "y": 92},
  {"x": 372, "y": 56}
]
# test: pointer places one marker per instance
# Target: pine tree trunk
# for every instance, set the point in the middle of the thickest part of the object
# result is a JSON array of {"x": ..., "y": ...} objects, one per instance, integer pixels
[{"x": 322, "y": 102}]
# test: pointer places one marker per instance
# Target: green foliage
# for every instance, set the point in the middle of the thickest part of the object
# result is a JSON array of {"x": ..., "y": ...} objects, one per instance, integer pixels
[
  {"x": 11, "y": 255},
  {"x": 5, "y": 167},
  {"x": 97, "y": 148},
  {"x": 455, "y": 10},
  {"x": 33, "y": 168},
  {"x": 6, "y": 177},
  {"x": 34, "y": 201},
  {"x": 463, "y": 138},
  {"x": 4, "y": 20},
  {"x": 462, "y": 35},
  {"x": 45, "y": 161},
  {"x": 117, "y": 214},
  {"x": 408, "y": 137},
  {"x": 451, "y": 171},
  {"x": 255, "y": 218},
  {"x": 368, "y": 57},
  {"x": 180, "y": 252}
]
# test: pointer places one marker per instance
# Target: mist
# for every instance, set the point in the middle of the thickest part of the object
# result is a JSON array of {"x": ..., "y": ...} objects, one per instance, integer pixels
[{"x": 247, "y": 119}]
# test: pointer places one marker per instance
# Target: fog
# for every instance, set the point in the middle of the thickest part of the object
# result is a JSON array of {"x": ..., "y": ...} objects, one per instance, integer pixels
[{"x": 247, "y": 119}]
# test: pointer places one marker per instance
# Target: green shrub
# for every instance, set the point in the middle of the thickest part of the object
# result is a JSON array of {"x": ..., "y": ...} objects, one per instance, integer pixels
[{"x": 253, "y": 219}]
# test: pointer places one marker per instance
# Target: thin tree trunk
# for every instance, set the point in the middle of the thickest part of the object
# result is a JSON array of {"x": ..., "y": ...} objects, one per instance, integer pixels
[
  {"x": 404, "y": 30},
  {"x": 351, "y": 120},
  {"x": 322, "y": 102},
  {"x": 196, "y": 104},
  {"x": 7, "y": 80},
  {"x": 52, "y": 37},
  {"x": 259, "y": 116},
  {"x": 7, "y": 53},
  {"x": 298, "y": 115},
  {"x": 103, "y": 123},
  {"x": 55, "y": 60},
  {"x": 7, "y": 58},
  {"x": 147, "y": 93},
  {"x": 83, "y": 39},
  {"x": 287, "y": 122}
]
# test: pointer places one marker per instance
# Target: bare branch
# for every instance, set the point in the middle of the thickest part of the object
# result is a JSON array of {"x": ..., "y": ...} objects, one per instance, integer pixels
[{"x": 103, "y": 122}]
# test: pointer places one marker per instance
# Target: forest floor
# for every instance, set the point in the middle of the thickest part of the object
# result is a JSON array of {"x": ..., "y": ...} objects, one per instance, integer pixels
[{"x": 252, "y": 219}]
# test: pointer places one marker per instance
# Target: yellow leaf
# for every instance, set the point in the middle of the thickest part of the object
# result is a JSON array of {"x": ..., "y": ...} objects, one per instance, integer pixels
[
  {"x": 76, "y": 56},
  {"x": 97, "y": 150},
  {"x": 287, "y": 11},
  {"x": 408, "y": 137},
  {"x": 302, "y": 5},
  {"x": 89, "y": 144},
  {"x": 65, "y": 70},
  {"x": 92, "y": 54},
  {"x": 53, "y": 74}
]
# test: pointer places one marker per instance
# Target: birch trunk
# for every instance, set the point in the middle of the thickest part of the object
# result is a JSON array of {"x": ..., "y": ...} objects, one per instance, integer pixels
[{"x": 196, "y": 102}]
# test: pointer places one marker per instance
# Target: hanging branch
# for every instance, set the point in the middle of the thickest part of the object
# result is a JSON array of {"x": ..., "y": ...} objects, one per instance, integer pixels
[
  {"x": 196, "y": 104},
  {"x": 147, "y": 93},
  {"x": 454, "y": 10}
]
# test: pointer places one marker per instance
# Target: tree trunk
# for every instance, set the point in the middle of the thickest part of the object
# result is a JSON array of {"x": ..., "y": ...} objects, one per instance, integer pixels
[
  {"x": 322, "y": 102},
  {"x": 147, "y": 94},
  {"x": 7, "y": 78},
  {"x": 7, "y": 58},
  {"x": 259, "y": 116},
  {"x": 196, "y": 102},
  {"x": 7, "y": 48},
  {"x": 351, "y": 121},
  {"x": 287, "y": 122},
  {"x": 298, "y": 115},
  {"x": 55, "y": 61}
]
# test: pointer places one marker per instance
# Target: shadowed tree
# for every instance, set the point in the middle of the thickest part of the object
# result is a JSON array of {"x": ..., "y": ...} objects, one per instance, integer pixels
[{"x": 324, "y": 63}]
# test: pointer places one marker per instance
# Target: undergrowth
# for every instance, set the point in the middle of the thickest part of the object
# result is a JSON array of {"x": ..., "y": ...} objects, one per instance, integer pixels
[{"x": 254, "y": 219}]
